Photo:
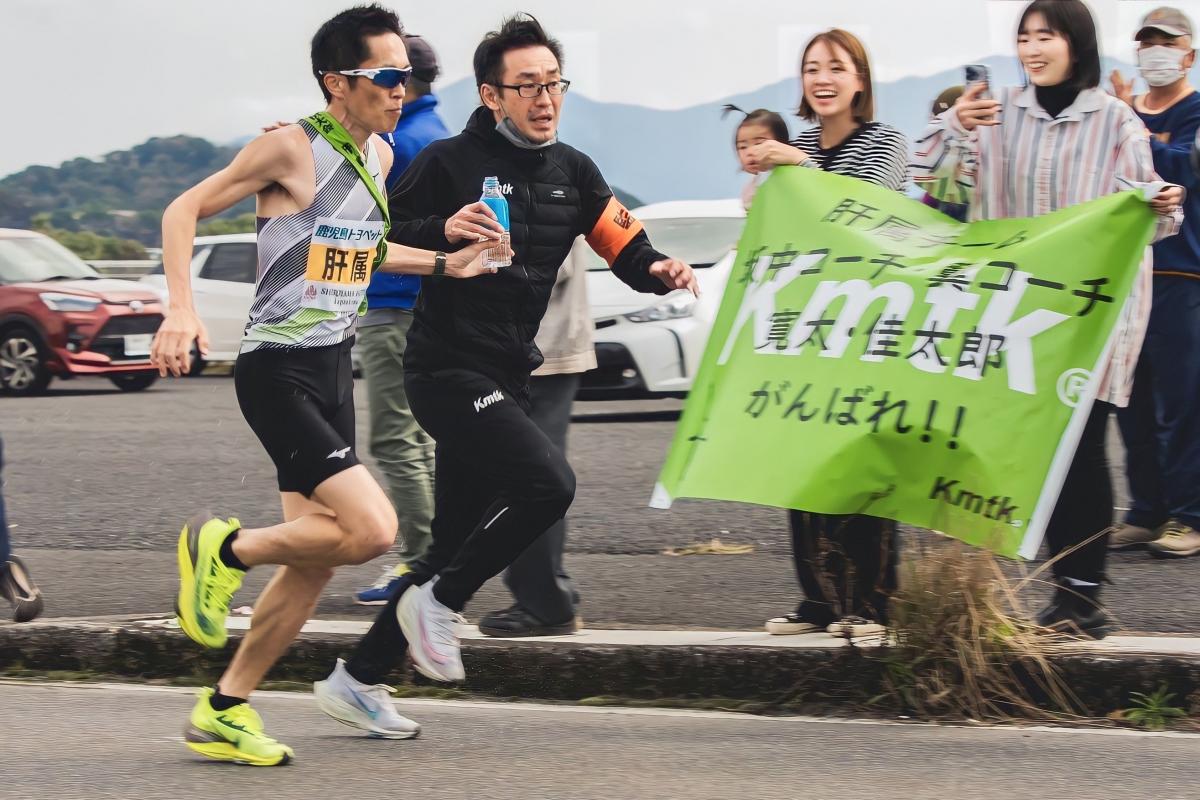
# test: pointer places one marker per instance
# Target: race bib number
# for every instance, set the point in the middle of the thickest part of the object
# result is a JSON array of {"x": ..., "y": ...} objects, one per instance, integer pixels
[{"x": 339, "y": 264}]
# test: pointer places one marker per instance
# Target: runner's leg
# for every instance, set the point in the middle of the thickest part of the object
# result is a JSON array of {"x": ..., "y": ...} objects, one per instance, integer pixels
[{"x": 290, "y": 597}]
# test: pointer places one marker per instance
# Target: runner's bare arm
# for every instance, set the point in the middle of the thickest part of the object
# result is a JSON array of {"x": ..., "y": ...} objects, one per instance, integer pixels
[
  {"x": 464, "y": 263},
  {"x": 271, "y": 158}
]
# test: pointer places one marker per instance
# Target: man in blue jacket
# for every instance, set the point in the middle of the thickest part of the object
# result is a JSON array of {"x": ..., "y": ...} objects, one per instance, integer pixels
[
  {"x": 1161, "y": 426},
  {"x": 403, "y": 451}
]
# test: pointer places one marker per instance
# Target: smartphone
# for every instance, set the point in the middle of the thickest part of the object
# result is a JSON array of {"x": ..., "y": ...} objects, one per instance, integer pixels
[{"x": 979, "y": 73}]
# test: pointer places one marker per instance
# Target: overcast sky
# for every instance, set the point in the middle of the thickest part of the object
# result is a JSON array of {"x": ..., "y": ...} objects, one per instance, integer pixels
[{"x": 85, "y": 77}]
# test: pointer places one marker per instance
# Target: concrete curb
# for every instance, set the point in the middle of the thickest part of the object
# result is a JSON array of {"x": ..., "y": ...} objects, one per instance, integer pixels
[{"x": 798, "y": 678}]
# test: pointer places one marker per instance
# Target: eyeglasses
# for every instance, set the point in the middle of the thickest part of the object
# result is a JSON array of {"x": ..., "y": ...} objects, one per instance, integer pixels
[
  {"x": 387, "y": 77},
  {"x": 530, "y": 90}
]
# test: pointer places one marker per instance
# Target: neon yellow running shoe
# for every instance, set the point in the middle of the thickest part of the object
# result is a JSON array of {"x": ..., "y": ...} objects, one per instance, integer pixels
[
  {"x": 206, "y": 585},
  {"x": 235, "y": 734}
]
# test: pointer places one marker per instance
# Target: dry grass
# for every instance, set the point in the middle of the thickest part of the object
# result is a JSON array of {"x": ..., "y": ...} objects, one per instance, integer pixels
[
  {"x": 962, "y": 646},
  {"x": 713, "y": 547}
]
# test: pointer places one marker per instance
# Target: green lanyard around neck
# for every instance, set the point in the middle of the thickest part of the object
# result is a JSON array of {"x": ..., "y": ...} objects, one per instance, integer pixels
[{"x": 333, "y": 132}]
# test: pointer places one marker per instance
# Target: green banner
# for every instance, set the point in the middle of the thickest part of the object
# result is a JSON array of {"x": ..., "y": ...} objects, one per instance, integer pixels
[{"x": 873, "y": 356}]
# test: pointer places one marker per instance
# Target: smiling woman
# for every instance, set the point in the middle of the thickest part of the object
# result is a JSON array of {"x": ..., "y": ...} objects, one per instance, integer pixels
[
  {"x": 838, "y": 95},
  {"x": 1075, "y": 143},
  {"x": 846, "y": 565}
]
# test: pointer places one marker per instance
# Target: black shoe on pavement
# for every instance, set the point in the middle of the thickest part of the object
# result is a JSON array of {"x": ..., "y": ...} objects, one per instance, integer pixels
[
  {"x": 1076, "y": 611},
  {"x": 18, "y": 588},
  {"x": 516, "y": 622}
]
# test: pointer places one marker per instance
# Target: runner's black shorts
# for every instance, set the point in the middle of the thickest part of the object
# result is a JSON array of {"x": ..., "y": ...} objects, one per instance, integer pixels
[{"x": 299, "y": 401}]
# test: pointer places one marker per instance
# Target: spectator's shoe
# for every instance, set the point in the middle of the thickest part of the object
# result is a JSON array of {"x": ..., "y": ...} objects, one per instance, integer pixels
[
  {"x": 790, "y": 624},
  {"x": 1176, "y": 540},
  {"x": 206, "y": 585},
  {"x": 381, "y": 591},
  {"x": 515, "y": 622},
  {"x": 1130, "y": 537},
  {"x": 1076, "y": 611},
  {"x": 361, "y": 706},
  {"x": 855, "y": 628},
  {"x": 235, "y": 734},
  {"x": 429, "y": 628},
  {"x": 18, "y": 588}
]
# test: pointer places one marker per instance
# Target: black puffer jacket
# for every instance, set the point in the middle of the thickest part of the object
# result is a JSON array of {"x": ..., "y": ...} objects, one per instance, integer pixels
[{"x": 554, "y": 195}]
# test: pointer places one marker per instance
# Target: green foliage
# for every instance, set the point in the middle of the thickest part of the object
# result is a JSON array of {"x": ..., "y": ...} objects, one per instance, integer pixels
[
  {"x": 121, "y": 195},
  {"x": 91, "y": 246},
  {"x": 1152, "y": 711},
  {"x": 242, "y": 223},
  {"x": 14, "y": 213}
]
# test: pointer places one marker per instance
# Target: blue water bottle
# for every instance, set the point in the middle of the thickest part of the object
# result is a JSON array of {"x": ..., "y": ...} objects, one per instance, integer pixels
[{"x": 494, "y": 199}]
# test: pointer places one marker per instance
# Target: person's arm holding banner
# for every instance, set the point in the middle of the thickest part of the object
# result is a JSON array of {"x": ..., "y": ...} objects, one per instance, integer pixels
[{"x": 1135, "y": 168}]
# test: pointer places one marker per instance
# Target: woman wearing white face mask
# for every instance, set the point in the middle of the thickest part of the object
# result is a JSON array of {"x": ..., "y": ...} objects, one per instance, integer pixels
[{"x": 1161, "y": 426}]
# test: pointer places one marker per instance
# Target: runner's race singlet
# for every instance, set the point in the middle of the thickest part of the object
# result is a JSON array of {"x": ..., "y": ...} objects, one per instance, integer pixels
[{"x": 314, "y": 265}]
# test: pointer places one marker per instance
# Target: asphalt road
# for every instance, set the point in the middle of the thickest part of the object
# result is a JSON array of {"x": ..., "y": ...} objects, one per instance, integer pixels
[
  {"x": 97, "y": 482},
  {"x": 101, "y": 742}
]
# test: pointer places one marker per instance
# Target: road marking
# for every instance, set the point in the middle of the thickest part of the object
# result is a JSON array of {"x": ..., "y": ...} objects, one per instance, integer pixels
[{"x": 542, "y": 708}]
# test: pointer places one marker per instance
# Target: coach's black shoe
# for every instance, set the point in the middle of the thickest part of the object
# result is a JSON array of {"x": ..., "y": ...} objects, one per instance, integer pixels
[
  {"x": 1076, "y": 611},
  {"x": 514, "y": 622},
  {"x": 18, "y": 588}
]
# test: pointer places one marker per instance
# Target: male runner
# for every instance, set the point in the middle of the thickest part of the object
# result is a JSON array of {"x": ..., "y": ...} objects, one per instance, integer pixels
[
  {"x": 322, "y": 219},
  {"x": 500, "y": 482}
]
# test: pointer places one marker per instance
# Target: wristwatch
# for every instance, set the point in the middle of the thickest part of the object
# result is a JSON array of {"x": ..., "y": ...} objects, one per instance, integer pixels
[{"x": 439, "y": 264}]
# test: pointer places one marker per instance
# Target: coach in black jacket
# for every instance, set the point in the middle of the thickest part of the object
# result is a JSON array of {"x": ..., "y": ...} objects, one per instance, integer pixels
[
  {"x": 555, "y": 193},
  {"x": 500, "y": 482}
]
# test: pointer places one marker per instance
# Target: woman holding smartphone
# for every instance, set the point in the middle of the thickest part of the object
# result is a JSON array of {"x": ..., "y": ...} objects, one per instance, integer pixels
[
  {"x": 1058, "y": 141},
  {"x": 846, "y": 565}
]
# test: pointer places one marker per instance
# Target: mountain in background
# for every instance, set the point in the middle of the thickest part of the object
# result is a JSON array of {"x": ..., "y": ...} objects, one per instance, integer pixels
[
  {"x": 122, "y": 195},
  {"x": 651, "y": 154}
]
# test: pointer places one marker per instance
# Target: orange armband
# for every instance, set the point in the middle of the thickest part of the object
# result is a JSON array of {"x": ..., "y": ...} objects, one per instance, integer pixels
[{"x": 615, "y": 229}]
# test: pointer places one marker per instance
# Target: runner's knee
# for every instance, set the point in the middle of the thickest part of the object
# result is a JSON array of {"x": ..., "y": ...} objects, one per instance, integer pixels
[{"x": 373, "y": 532}]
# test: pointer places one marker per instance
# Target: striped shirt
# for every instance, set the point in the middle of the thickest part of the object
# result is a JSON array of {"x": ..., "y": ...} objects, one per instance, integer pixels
[
  {"x": 875, "y": 153},
  {"x": 314, "y": 266},
  {"x": 1032, "y": 164}
]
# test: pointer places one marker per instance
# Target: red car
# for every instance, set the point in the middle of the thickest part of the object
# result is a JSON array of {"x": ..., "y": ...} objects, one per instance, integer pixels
[{"x": 60, "y": 318}]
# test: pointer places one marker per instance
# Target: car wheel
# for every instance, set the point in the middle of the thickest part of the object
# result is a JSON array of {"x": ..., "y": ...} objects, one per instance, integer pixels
[
  {"x": 22, "y": 362},
  {"x": 134, "y": 381},
  {"x": 197, "y": 365}
]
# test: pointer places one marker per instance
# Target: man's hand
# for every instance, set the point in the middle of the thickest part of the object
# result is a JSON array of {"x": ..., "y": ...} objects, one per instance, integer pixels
[
  {"x": 172, "y": 348},
  {"x": 771, "y": 153},
  {"x": 276, "y": 126},
  {"x": 974, "y": 111},
  {"x": 1121, "y": 88},
  {"x": 675, "y": 274},
  {"x": 1166, "y": 201},
  {"x": 474, "y": 221},
  {"x": 468, "y": 262}
]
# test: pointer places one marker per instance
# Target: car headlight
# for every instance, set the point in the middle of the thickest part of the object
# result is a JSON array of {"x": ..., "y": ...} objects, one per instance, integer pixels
[
  {"x": 56, "y": 301},
  {"x": 676, "y": 305}
]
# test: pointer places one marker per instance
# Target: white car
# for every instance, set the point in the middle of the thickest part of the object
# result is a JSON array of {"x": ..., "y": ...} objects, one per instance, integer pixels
[
  {"x": 223, "y": 274},
  {"x": 647, "y": 345}
]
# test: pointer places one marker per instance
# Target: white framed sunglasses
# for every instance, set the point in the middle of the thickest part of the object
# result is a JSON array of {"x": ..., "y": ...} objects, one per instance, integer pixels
[{"x": 387, "y": 77}]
